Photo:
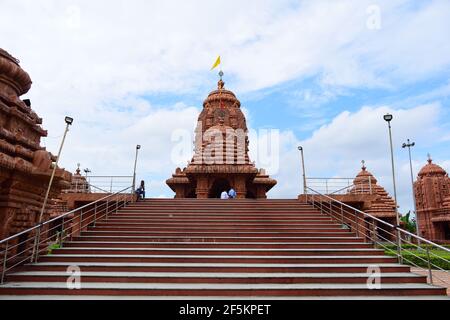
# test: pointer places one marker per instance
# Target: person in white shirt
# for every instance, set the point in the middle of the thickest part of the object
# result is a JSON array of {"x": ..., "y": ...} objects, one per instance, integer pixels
[
  {"x": 224, "y": 195},
  {"x": 232, "y": 193}
]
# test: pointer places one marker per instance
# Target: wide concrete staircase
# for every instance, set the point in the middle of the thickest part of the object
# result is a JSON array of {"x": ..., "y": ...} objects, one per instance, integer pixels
[{"x": 217, "y": 248}]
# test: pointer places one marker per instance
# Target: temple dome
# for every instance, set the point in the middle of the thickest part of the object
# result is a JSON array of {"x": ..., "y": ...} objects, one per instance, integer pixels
[
  {"x": 432, "y": 170},
  {"x": 364, "y": 176},
  {"x": 220, "y": 94}
]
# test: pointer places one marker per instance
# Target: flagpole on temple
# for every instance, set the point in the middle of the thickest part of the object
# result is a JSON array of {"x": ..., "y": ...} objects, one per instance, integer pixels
[{"x": 220, "y": 89}]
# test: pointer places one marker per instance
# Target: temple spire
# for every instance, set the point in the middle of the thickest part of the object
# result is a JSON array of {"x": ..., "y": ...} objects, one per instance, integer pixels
[{"x": 220, "y": 84}]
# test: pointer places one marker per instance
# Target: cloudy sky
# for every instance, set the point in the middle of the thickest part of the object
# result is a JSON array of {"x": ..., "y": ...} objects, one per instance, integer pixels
[{"x": 323, "y": 73}]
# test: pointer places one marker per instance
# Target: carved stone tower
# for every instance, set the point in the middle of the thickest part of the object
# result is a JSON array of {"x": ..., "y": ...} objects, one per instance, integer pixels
[{"x": 220, "y": 158}]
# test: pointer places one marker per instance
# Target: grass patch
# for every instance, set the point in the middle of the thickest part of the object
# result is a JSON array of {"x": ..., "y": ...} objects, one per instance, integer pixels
[
  {"x": 53, "y": 247},
  {"x": 414, "y": 256}
]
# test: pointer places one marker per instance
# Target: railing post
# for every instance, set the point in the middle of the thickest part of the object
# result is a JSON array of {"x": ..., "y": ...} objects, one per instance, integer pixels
[
  {"x": 357, "y": 223},
  {"x": 61, "y": 235},
  {"x": 342, "y": 214},
  {"x": 5, "y": 258},
  {"x": 399, "y": 246},
  {"x": 81, "y": 221},
  {"x": 106, "y": 210},
  {"x": 37, "y": 239},
  {"x": 430, "y": 273},
  {"x": 95, "y": 213},
  {"x": 374, "y": 232}
]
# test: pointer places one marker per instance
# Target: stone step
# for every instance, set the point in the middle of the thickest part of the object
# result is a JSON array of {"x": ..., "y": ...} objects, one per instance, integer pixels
[
  {"x": 113, "y": 219},
  {"x": 216, "y": 239},
  {"x": 218, "y": 245},
  {"x": 218, "y": 211},
  {"x": 151, "y": 229},
  {"x": 204, "y": 233},
  {"x": 212, "y": 217},
  {"x": 224, "y": 225},
  {"x": 217, "y": 267},
  {"x": 215, "y": 277},
  {"x": 217, "y": 251},
  {"x": 214, "y": 289},
  {"x": 216, "y": 258},
  {"x": 199, "y": 202}
]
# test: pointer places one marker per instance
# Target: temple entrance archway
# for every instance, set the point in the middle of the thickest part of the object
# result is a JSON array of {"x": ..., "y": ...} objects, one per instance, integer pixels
[{"x": 219, "y": 185}]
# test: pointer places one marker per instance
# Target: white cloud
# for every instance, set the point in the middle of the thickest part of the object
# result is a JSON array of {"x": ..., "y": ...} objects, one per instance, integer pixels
[
  {"x": 100, "y": 60},
  {"x": 336, "y": 149}
]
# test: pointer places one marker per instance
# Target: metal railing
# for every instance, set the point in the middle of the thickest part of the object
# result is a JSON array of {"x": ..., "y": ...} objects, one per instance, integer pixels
[
  {"x": 339, "y": 185},
  {"x": 385, "y": 235},
  {"x": 29, "y": 244},
  {"x": 100, "y": 184}
]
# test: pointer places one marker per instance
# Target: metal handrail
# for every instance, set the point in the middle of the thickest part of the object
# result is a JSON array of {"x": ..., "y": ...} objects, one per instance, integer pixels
[
  {"x": 359, "y": 187},
  {"x": 327, "y": 185},
  {"x": 372, "y": 235},
  {"x": 101, "y": 184},
  {"x": 87, "y": 214}
]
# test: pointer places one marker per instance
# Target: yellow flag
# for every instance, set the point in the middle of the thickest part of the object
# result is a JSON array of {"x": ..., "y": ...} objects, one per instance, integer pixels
[{"x": 216, "y": 63}]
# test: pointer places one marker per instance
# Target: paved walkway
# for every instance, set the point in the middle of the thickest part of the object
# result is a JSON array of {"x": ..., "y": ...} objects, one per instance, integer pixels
[{"x": 440, "y": 278}]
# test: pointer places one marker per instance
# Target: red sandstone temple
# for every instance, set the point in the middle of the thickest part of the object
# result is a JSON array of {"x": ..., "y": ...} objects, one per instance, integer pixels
[
  {"x": 25, "y": 166},
  {"x": 432, "y": 193},
  {"x": 221, "y": 158},
  {"x": 376, "y": 201}
]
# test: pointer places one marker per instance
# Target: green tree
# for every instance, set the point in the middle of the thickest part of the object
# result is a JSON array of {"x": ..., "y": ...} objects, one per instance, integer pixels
[{"x": 408, "y": 224}]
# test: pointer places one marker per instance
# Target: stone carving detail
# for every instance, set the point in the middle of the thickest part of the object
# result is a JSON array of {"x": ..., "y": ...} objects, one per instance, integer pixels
[
  {"x": 25, "y": 167},
  {"x": 42, "y": 160}
]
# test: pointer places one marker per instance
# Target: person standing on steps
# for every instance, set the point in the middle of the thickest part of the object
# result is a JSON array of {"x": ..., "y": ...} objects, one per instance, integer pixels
[
  {"x": 140, "y": 192},
  {"x": 224, "y": 195},
  {"x": 232, "y": 193}
]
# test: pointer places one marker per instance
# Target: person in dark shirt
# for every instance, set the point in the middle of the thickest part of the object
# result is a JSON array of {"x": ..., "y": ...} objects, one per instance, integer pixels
[{"x": 140, "y": 192}]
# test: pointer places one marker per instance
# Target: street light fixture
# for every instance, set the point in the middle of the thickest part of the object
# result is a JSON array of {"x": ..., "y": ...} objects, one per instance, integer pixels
[
  {"x": 138, "y": 147},
  {"x": 87, "y": 170},
  {"x": 388, "y": 118},
  {"x": 300, "y": 148},
  {"x": 408, "y": 145},
  {"x": 68, "y": 121}
]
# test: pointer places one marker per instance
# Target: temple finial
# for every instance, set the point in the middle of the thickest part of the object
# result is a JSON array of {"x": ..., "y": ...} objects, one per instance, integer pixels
[
  {"x": 429, "y": 158},
  {"x": 220, "y": 84},
  {"x": 78, "y": 169},
  {"x": 363, "y": 163}
]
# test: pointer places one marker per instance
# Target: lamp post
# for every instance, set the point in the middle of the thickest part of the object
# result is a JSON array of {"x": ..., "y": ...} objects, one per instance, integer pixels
[
  {"x": 135, "y": 163},
  {"x": 408, "y": 145},
  {"x": 388, "y": 118},
  {"x": 87, "y": 186},
  {"x": 69, "y": 122},
  {"x": 303, "y": 169}
]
